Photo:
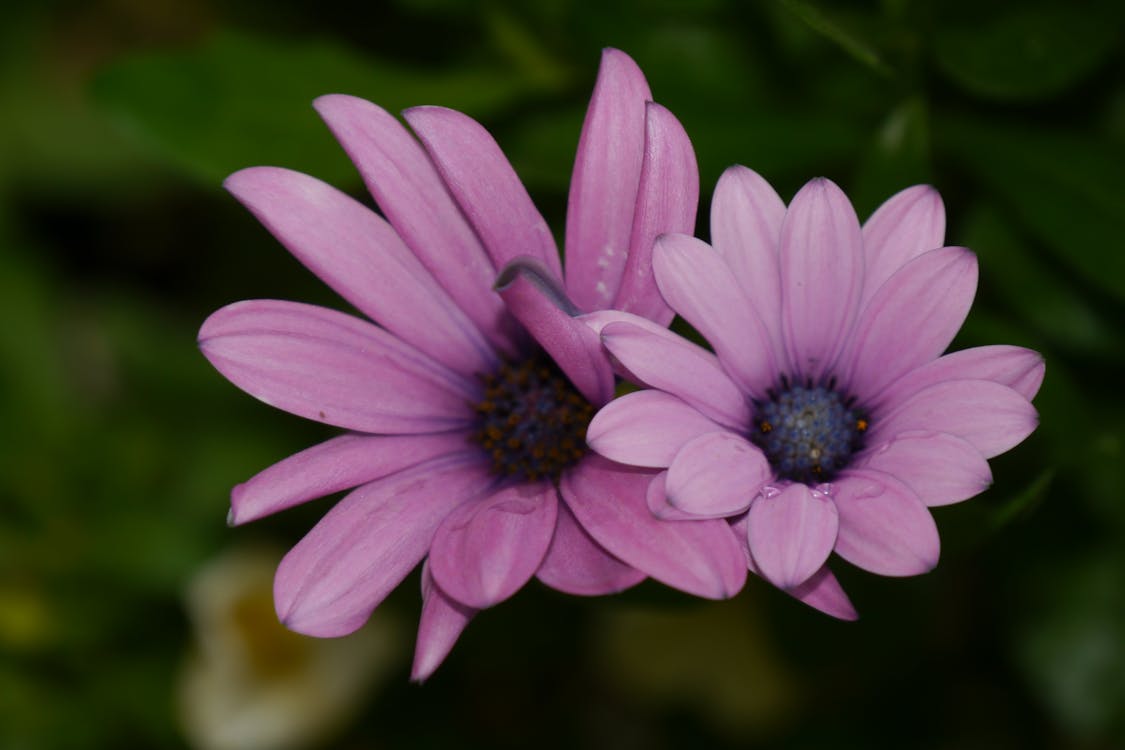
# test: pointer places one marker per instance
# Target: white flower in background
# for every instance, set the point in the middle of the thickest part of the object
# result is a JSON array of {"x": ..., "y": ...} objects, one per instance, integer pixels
[{"x": 252, "y": 684}]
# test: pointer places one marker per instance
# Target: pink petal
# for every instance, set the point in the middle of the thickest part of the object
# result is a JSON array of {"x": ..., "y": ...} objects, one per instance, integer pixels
[
  {"x": 603, "y": 187},
  {"x": 485, "y": 186},
  {"x": 485, "y": 551},
  {"x": 359, "y": 255},
  {"x": 661, "y": 359},
  {"x": 940, "y": 468},
  {"x": 535, "y": 298},
  {"x": 699, "y": 286},
  {"x": 821, "y": 265},
  {"x": 993, "y": 417},
  {"x": 908, "y": 224},
  {"x": 716, "y": 475},
  {"x": 576, "y": 564},
  {"x": 884, "y": 527},
  {"x": 1018, "y": 368},
  {"x": 746, "y": 216},
  {"x": 324, "y": 365},
  {"x": 411, "y": 194},
  {"x": 666, "y": 202},
  {"x": 912, "y": 319},
  {"x": 656, "y": 497},
  {"x": 646, "y": 428},
  {"x": 330, "y": 582},
  {"x": 791, "y": 534},
  {"x": 338, "y": 464},
  {"x": 699, "y": 557},
  {"x": 443, "y": 621},
  {"x": 822, "y": 591}
]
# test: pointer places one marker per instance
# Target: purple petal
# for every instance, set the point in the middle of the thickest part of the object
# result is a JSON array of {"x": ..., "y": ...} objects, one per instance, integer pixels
[
  {"x": 908, "y": 224},
  {"x": 746, "y": 217},
  {"x": 993, "y": 417},
  {"x": 716, "y": 475},
  {"x": 534, "y": 298},
  {"x": 699, "y": 286},
  {"x": 485, "y": 186},
  {"x": 443, "y": 620},
  {"x": 603, "y": 187},
  {"x": 412, "y": 196},
  {"x": 884, "y": 527},
  {"x": 821, "y": 265},
  {"x": 822, "y": 591},
  {"x": 359, "y": 255},
  {"x": 912, "y": 319},
  {"x": 791, "y": 534},
  {"x": 699, "y": 557},
  {"x": 485, "y": 551},
  {"x": 324, "y": 365},
  {"x": 576, "y": 564},
  {"x": 330, "y": 582},
  {"x": 1018, "y": 368},
  {"x": 666, "y": 202},
  {"x": 940, "y": 468},
  {"x": 334, "y": 465},
  {"x": 646, "y": 428},
  {"x": 656, "y": 497},
  {"x": 661, "y": 359}
]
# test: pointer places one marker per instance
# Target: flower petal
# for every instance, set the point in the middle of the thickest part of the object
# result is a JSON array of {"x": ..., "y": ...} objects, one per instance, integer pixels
[
  {"x": 746, "y": 217},
  {"x": 908, "y": 224},
  {"x": 884, "y": 527},
  {"x": 699, "y": 286},
  {"x": 699, "y": 557},
  {"x": 993, "y": 417},
  {"x": 821, "y": 262},
  {"x": 912, "y": 319},
  {"x": 411, "y": 194},
  {"x": 443, "y": 621},
  {"x": 940, "y": 468},
  {"x": 646, "y": 428},
  {"x": 716, "y": 475},
  {"x": 576, "y": 564},
  {"x": 822, "y": 591},
  {"x": 359, "y": 255},
  {"x": 603, "y": 187},
  {"x": 791, "y": 534},
  {"x": 661, "y": 359},
  {"x": 330, "y": 582},
  {"x": 666, "y": 202},
  {"x": 486, "y": 551},
  {"x": 1018, "y": 368},
  {"x": 338, "y": 464},
  {"x": 324, "y": 365},
  {"x": 485, "y": 186},
  {"x": 656, "y": 496},
  {"x": 536, "y": 299}
]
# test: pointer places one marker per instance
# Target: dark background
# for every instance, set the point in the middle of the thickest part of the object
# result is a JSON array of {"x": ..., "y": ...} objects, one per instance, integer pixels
[{"x": 118, "y": 442}]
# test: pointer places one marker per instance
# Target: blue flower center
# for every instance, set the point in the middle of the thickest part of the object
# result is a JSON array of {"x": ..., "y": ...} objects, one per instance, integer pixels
[
  {"x": 532, "y": 421},
  {"x": 808, "y": 432}
]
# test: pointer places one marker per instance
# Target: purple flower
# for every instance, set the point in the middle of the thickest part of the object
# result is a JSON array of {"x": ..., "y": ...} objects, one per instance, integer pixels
[
  {"x": 466, "y": 407},
  {"x": 827, "y": 419}
]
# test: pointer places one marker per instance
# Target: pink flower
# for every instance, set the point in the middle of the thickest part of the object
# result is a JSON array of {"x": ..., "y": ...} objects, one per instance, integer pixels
[
  {"x": 466, "y": 407},
  {"x": 827, "y": 419}
]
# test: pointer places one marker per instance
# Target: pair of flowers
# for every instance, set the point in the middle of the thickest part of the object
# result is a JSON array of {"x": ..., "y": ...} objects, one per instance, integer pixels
[{"x": 825, "y": 420}]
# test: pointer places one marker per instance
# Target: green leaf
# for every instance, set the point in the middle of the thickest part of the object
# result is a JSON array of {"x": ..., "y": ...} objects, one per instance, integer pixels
[
  {"x": 836, "y": 31},
  {"x": 241, "y": 100},
  {"x": 1026, "y": 52},
  {"x": 898, "y": 157}
]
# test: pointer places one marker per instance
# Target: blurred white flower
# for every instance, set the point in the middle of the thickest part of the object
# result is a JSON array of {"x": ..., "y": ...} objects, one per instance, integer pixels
[{"x": 252, "y": 684}]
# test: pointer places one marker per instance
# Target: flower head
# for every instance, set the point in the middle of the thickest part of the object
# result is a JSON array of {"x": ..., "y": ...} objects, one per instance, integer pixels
[
  {"x": 466, "y": 406},
  {"x": 827, "y": 419}
]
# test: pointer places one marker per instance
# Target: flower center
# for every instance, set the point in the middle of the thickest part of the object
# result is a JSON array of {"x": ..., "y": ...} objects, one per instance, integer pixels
[
  {"x": 532, "y": 421},
  {"x": 808, "y": 433}
]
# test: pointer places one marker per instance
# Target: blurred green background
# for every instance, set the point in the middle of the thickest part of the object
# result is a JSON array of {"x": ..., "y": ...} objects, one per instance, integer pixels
[{"x": 118, "y": 121}]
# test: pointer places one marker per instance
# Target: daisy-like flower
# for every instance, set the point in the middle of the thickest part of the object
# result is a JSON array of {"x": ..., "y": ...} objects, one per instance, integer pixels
[
  {"x": 466, "y": 406},
  {"x": 827, "y": 419}
]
